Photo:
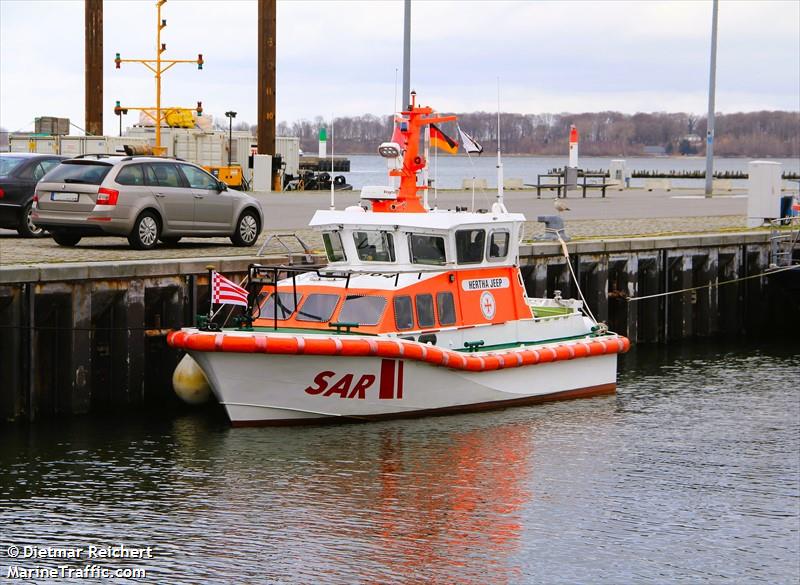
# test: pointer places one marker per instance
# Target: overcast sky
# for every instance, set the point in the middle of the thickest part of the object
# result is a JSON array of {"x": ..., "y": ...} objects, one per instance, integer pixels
[{"x": 341, "y": 57}]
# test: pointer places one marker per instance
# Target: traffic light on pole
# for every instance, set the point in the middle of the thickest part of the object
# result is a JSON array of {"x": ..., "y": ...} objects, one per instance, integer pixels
[
  {"x": 117, "y": 61},
  {"x": 199, "y": 108},
  {"x": 200, "y": 61}
]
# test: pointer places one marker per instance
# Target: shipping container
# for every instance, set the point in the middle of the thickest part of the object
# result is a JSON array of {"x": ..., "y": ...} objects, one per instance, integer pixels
[
  {"x": 40, "y": 144},
  {"x": 211, "y": 148},
  {"x": 243, "y": 149},
  {"x": 51, "y": 125},
  {"x": 289, "y": 149},
  {"x": 74, "y": 145}
]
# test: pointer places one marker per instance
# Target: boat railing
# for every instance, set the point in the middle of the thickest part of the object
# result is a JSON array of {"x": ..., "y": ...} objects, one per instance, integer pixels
[
  {"x": 259, "y": 276},
  {"x": 784, "y": 242},
  {"x": 280, "y": 239}
]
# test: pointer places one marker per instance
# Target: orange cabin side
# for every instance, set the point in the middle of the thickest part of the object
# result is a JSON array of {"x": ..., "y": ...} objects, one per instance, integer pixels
[{"x": 459, "y": 298}]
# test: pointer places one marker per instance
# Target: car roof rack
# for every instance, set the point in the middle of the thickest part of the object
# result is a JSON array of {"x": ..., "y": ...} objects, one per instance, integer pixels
[
  {"x": 99, "y": 155},
  {"x": 133, "y": 156}
]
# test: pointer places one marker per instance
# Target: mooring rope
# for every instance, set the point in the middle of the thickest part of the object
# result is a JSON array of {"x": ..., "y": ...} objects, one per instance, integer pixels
[
  {"x": 713, "y": 284},
  {"x": 564, "y": 250}
]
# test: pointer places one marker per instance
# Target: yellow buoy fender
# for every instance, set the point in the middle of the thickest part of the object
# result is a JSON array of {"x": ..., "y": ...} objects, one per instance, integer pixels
[{"x": 190, "y": 382}]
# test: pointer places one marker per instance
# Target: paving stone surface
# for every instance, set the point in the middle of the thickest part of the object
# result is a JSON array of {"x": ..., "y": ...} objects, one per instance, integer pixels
[
  {"x": 15, "y": 250},
  {"x": 625, "y": 213}
]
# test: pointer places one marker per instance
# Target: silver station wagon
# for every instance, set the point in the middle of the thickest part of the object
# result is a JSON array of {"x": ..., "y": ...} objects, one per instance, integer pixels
[{"x": 143, "y": 198}]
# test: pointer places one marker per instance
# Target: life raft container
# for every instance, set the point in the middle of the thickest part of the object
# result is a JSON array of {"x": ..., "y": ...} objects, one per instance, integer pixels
[{"x": 396, "y": 348}]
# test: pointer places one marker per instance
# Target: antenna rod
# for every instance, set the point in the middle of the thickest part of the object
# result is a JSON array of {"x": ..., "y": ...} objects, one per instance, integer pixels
[
  {"x": 333, "y": 204},
  {"x": 499, "y": 161},
  {"x": 407, "y": 55},
  {"x": 427, "y": 153}
]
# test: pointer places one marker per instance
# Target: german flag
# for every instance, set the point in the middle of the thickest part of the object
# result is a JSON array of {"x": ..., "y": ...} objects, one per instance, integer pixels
[{"x": 442, "y": 141}]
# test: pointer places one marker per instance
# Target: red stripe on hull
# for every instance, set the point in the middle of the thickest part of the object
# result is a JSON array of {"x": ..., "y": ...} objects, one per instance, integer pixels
[
  {"x": 387, "y": 380},
  {"x": 399, "y": 379}
]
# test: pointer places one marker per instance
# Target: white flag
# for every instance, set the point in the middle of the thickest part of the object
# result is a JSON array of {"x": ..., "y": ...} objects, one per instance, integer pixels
[{"x": 469, "y": 143}]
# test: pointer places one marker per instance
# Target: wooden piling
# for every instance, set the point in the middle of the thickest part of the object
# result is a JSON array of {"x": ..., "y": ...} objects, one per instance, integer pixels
[
  {"x": 93, "y": 73},
  {"x": 267, "y": 11}
]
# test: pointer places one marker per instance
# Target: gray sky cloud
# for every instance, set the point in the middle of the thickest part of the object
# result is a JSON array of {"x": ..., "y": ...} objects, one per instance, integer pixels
[{"x": 340, "y": 57}]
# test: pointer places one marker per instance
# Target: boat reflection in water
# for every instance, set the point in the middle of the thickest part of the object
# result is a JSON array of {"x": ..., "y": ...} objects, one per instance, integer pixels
[
  {"x": 430, "y": 500},
  {"x": 689, "y": 475}
]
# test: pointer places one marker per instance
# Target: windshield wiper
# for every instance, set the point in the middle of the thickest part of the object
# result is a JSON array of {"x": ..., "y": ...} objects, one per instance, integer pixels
[{"x": 80, "y": 181}]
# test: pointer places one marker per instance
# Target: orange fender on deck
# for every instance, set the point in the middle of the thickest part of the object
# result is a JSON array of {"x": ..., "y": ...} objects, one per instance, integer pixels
[{"x": 394, "y": 348}]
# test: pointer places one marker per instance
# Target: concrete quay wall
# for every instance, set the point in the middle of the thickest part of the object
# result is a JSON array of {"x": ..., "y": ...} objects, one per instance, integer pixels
[
  {"x": 613, "y": 273},
  {"x": 86, "y": 337},
  {"x": 81, "y": 337}
]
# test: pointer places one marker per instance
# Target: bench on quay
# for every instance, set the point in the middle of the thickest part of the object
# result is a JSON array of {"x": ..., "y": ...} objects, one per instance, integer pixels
[{"x": 587, "y": 184}]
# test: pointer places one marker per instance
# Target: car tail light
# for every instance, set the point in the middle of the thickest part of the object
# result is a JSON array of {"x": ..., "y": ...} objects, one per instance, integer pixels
[
  {"x": 35, "y": 197},
  {"x": 107, "y": 196},
  {"x": 2, "y": 193}
]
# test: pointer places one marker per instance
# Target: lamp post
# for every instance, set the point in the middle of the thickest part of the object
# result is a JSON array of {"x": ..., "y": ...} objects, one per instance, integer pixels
[
  {"x": 712, "y": 87},
  {"x": 119, "y": 111},
  {"x": 231, "y": 115}
]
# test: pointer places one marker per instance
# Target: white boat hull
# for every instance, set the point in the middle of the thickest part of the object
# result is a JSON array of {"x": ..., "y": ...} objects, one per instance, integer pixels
[{"x": 261, "y": 389}]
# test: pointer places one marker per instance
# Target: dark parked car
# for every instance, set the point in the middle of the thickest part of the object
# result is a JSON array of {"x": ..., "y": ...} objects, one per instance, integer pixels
[{"x": 19, "y": 173}]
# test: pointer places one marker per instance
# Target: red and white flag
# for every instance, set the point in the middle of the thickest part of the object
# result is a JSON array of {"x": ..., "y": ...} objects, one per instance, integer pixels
[{"x": 225, "y": 292}]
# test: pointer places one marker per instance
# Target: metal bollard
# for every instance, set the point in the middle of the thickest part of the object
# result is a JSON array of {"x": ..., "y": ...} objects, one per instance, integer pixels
[{"x": 553, "y": 227}]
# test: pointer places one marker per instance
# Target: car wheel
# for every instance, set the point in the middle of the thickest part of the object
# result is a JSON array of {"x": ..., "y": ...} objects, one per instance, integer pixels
[
  {"x": 247, "y": 229},
  {"x": 68, "y": 240},
  {"x": 170, "y": 240},
  {"x": 145, "y": 232},
  {"x": 26, "y": 227}
]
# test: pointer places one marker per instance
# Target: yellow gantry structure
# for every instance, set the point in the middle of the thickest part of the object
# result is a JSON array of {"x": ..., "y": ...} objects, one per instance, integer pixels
[{"x": 158, "y": 66}]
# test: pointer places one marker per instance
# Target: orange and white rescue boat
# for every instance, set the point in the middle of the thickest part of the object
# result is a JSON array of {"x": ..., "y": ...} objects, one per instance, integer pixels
[{"x": 418, "y": 311}]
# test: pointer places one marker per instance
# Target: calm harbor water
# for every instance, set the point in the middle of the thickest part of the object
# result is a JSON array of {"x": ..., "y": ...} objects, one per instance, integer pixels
[
  {"x": 452, "y": 170},
  {"x": 689, "y": 474}
]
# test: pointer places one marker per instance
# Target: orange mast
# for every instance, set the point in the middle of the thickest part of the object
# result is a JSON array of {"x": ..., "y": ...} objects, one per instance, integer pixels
[{"x": 408, "y": 200}]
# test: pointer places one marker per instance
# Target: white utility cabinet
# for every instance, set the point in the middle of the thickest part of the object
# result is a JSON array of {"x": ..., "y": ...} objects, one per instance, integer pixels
[
  {"x": 763, "y": 191},
  {"x": 262, "y": 172}
]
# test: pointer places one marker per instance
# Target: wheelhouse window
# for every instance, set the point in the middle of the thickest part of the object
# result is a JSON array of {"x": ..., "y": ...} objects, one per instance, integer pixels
[
  {"x": 361, "y": 309},
  {"x": 498, "y": 245},
  {"x": 446, "y": 307},
  {"x": 287, "y": 302},
  {"x": 318, "y": 308},
  {"x": 427, "y": 249},
  {"x": 425, "y": 316},
  {"x": 403, "y": 313},
  {"x": 333, "y": 246},
  {"x": 469, "y": 246},
  {"x": 374, "y": 246}
]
